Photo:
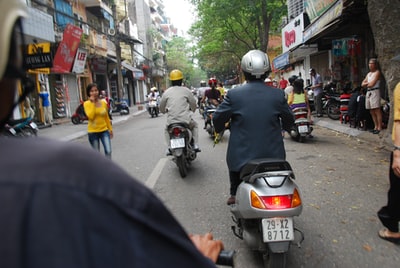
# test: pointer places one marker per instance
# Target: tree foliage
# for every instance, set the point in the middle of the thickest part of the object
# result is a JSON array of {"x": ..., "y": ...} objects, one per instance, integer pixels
[
  {"x": 180, "y": 55},
  {"x": 227, "y": 29}
]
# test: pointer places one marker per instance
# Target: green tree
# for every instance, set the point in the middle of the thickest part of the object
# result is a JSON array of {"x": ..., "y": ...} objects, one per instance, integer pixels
[
  {"x": 179, "y": 56},
  {"x": 227, "y": 29}
]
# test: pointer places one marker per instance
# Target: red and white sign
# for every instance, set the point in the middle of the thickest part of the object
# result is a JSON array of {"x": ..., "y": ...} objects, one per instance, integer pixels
[
  {"x": 292, "y": 33},
  {"x": 80, "y": 61},
  {"x": 67, "y": 49}
]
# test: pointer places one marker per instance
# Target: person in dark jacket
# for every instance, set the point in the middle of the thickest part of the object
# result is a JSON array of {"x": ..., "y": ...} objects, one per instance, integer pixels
[
  {"x": 64, "y": 205},
  {"x": 258, "y": 113}
]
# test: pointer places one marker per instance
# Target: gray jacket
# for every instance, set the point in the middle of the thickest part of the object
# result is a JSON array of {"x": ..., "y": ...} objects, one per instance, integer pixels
[
  {"x": 179, "y": 104},
  {"x": 257, "y": 113}
]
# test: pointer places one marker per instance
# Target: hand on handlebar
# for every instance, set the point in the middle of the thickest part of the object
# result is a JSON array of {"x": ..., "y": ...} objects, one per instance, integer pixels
[{"x": 207, "y": 245}]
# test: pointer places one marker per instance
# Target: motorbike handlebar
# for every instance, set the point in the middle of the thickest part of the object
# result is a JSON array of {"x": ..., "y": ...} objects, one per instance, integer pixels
[{"x": 226, "y": 258}]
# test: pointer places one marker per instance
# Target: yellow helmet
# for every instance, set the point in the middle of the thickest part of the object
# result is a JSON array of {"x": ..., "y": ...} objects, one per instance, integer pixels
[{"x": 175, "y": 75}]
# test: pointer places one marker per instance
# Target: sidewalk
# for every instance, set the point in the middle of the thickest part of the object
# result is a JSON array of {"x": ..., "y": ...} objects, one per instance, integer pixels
[
  {"x": 382, "y": 140},
  {"x": 64, "y": 130}
]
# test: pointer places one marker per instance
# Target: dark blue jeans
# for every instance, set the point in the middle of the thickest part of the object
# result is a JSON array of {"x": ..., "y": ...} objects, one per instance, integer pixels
[
  {"x": 104, "y": 137},
  {"x": 390, "y": 214}
]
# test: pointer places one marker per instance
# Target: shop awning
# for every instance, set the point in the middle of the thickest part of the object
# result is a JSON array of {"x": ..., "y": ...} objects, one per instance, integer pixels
[
  {"x": 137, "y": 73},
  {"x": 330, "y": 18}
]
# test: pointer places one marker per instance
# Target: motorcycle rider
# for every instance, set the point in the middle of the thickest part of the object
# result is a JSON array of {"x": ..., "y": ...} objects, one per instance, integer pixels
[
  {"x": 258, "y": 113},
  {"x": 299, "y": 97},
  {"x": 64, "y": 205},
  {"x": 212, "y": 96},
  {"x": 179, "y": 104},
  {"x": 153, "y": 95}
]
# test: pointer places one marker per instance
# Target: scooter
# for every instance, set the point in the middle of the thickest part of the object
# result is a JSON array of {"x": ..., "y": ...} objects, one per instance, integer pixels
[
  {"x": 302, "y": 125},
  {"x": 153, "y": 108},
  {"x": 267, "y": 200},
  {"x": 330, "y": 103},
  {"x": 23, "y": 127},
  {"x": 120, "y": 107},
  {"x": 181, "y": 146},
  {"x": 79, "y": 116}
]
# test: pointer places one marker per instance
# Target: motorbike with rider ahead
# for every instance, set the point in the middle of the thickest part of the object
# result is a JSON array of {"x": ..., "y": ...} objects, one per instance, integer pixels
[
  {"x": 298, "y": 102},
  {"x": 153, "y": 100},
  {"x": 181, "y": 132},
  {"x": 210, "y": 101},
  {"x": 264, "y": 196}
]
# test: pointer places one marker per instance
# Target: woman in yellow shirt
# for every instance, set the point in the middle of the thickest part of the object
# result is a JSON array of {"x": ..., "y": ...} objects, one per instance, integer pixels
[
  {"x": 298, "y": 97},
  {"x": 99, "y": 126}
]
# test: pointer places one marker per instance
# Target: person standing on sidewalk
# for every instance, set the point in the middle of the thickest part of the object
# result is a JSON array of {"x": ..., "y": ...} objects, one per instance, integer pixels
[
  {"x": 99, "y": 125},
  {"x": 316, "y": 86},
  {"x": 373, "y": 95},
  {"x": 389, "y": 215},
  {"x": 72, "y": 207}
]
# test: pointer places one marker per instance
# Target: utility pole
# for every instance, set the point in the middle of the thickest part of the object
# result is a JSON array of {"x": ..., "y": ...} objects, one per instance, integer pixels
[{"x": 120, "y": 84}]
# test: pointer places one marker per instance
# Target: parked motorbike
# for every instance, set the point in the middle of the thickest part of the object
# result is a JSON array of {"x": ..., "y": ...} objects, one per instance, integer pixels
[
  {"x": 330, "y": 102},
  {"x": 153, "y": 108},
  {"x": 267, "y": 200},
  {"x": 302, "y": 125},
  {"x": 79, "y": 116},
  {"x": 181, "y": 146},
  {"x": 23, "y": 127},
  {"x": 120, "y": 107}
]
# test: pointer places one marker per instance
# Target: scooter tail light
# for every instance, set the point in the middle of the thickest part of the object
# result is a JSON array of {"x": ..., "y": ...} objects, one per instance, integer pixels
[
  {"x": 176, "y": 131},
  {"x": 256, "y": 201},
  {"x": 296, "y": 200},
  {"x": 277, "y": 202}
]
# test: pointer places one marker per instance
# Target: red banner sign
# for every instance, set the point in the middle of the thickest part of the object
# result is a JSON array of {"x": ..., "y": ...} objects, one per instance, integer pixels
[{"x": 66, "y": 50}]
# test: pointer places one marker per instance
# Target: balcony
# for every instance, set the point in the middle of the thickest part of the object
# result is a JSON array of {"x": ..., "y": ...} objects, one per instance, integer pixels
[{"x": 97, "y": 8}]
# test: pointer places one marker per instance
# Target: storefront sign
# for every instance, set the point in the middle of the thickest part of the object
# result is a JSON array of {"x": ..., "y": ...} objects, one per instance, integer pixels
[
  {"x": 67, "y": 49},
  {"x": 315, "y": 8},
  {"x": 99, "y": 65},
  {"x": 39, "y": 56},
  {"x": 318, "y": 25},
  {"x": 80, "y": 61},
  {"x": 281, "y": 61},
  {"x": 292, "y": 33}
]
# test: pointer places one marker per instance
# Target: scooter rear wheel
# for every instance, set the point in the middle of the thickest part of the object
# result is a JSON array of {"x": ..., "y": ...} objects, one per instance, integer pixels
[
  {"x": 181, "y": 163},
  {"x": 274, "y": 260}
]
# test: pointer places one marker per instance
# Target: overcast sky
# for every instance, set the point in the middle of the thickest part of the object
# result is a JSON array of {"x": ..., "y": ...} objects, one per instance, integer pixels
[{"x": 180, "y": 12}]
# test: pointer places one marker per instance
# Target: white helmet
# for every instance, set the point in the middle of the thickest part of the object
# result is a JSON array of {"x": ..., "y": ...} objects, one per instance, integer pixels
[
  {"x": 12, "y": 10},
  {"x": 256, "y": 63}
]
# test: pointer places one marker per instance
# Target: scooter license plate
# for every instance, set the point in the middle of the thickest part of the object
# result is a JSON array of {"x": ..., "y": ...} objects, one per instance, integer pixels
[
  {"x": 303, "y": 129},
  {"x": 277, "y": 229},
  {"x": 177, "y": 143}
]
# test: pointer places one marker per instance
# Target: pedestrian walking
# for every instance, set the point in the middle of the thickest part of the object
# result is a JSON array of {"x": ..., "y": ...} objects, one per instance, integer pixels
[{"x": 99, "y": 125}]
